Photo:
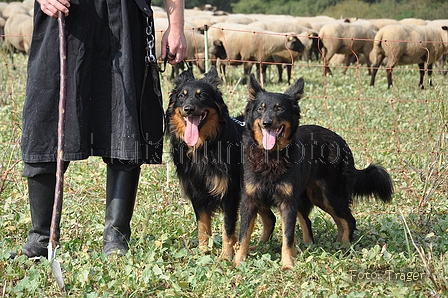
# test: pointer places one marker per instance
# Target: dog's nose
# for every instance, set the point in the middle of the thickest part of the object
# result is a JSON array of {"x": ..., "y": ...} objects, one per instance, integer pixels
[
  {"x": 189, "y": 109},
  {"x": 267, "y": 122}
]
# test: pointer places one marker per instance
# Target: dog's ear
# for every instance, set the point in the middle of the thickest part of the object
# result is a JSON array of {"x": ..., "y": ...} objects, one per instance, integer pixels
[
  {"x": 212, "y": 77},
  {"x": 296, "y": 90},
  {"x": 254, "y": 87},
  {"x": 185, "y": 76}
]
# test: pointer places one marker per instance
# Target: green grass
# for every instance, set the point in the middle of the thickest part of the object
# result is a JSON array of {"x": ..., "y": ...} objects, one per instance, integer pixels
[{"x": 404, "y": 129}]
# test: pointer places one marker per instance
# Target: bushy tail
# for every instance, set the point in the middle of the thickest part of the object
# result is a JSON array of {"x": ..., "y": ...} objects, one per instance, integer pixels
[{"x": 373, "y": 181}]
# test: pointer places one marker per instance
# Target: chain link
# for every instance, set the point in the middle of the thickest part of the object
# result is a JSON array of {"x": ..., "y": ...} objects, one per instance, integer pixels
[{"x": 150, "y": 43}]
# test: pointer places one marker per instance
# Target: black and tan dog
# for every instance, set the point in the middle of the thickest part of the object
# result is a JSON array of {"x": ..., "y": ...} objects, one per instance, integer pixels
[
  {"x": 294, "y": 168},
  {"x": 206, "y": 149}
]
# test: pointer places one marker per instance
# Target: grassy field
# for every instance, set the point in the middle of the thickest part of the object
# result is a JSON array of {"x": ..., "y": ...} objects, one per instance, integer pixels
[{"x": 400, "y": 249}]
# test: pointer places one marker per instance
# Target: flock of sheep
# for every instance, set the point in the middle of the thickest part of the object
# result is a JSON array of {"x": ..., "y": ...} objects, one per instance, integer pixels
[{"x": 281, "y": 39}]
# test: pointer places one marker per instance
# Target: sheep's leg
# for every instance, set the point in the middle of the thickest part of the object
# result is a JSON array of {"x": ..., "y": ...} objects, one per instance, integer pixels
[
  {"x": 280, "y": 73},
  {"x": 327, "y": 70},
  {"x": 430, "y": 74},
  {"x": 375, "y": 67},
  {"x": 247, "y": 69},
  {"x": 288, "y": 71},
  {"x": 389, "y": 76},
  {"x": 421, "y": 67},
  {"x": 349, "y": 60},
  {"x": 325, "y": 60}
]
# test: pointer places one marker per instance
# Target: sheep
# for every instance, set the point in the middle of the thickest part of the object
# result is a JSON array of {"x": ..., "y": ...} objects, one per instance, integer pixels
[
  {"x": 307, "y": 36},
  {"x": 347, "y": 39},
  {"x": 249, "y": 45},
  {"x": 3, "y": 5},
  {"x": 380, "y": 23},
  {"x": 442, "y": 60},
  {"x": 407, "y": 44},
  {"x": 14, "y": 8},
  {"x": 412, "y": 21},
  {"x": 18, "y": 31}
]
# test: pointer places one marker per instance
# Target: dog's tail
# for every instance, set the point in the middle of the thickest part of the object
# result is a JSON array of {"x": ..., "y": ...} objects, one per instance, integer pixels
[{"x": 373, "y": 181}]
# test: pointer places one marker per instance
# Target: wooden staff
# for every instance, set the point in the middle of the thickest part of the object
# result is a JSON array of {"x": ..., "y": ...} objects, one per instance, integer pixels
[{"x": 57, "y": 206}]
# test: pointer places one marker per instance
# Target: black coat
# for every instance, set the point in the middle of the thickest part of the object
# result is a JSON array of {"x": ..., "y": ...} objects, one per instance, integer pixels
[{"x": 105, "y": 115}]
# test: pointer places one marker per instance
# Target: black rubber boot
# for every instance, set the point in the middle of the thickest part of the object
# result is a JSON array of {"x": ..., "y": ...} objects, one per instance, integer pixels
[
  {"x": 41, "y": 194},
  {"x": 121, "y": 190}
]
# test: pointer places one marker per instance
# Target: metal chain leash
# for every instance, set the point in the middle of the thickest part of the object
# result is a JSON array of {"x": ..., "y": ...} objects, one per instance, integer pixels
[{"x": 150, "y": 43}]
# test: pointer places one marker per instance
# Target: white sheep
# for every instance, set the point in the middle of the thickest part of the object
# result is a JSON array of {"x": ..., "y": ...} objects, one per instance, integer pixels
[
  {"x": 18, "y": 32},
  {"x": 380, "y": 23},
  {"x": 14, "y": 8},
  {"x": 407, "y": 44},
  {"x": 412, "y": 21},
  {"x": 252, "y": 45},
  {"x": 347, "y": 39},
  {"x": 442, "y": 60}
]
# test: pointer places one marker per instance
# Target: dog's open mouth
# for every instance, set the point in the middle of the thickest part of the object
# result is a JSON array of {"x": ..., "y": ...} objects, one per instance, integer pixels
[
  {"x": 191, "y": 135},
  {"x": 270, "y": 136}
]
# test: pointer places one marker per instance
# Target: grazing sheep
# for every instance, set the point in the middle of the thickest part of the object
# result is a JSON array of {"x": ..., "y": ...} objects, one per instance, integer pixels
[
  {"x": 347, "y": 39},
  {"x": 18, "y": 31},
  {"x": 14, "y": 8},
  {"x": 412, "y": 21},
  {"x": 250, "y": 45},
  {"x": 407, "y": 44},
  {"x": 307, "y": 36},
  {"x": 380, "y": 23},
  {"x": 442, "y": 60}
]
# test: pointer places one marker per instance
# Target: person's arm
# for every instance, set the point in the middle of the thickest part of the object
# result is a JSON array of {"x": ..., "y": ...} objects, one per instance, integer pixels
[
  {"x": 174, "y": 38},
  {"x": 51, "y": 7}
]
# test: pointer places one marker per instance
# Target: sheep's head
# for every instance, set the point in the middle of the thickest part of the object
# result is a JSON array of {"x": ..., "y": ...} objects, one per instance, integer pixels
[{"x": 293, "y": 43}]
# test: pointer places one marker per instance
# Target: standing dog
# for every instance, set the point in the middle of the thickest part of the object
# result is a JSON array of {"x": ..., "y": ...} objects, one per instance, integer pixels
[
  {"x": 295, "y": 167},
  {"x": 206, "y": 149}
]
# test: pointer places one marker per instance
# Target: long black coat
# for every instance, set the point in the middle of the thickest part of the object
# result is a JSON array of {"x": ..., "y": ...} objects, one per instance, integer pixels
[{"x": 105, "y": 71}]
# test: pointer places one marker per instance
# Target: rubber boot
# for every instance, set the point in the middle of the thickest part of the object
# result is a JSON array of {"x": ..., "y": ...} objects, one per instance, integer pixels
[
  {"x": 121, "y": 190},
  {"x": 41, "y": 194}
]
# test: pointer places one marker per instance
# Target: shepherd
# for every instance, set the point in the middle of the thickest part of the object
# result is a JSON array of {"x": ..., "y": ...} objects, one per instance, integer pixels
[{"x": 113, "y": 106}]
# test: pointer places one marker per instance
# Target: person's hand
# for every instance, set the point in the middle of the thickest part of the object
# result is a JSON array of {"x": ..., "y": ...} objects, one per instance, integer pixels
[
  {"x": 51, "y": 7},
  {"x": 174, "y": 45}
]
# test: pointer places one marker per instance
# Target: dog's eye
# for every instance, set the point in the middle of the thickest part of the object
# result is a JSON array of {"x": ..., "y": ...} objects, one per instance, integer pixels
[
  {"x": 261, "y": 109},
  {"x": 202, "y": 95},
  {"x": 278, "y": 109}
]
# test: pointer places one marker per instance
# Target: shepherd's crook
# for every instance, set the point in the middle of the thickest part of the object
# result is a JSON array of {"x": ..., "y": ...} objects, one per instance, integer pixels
[{"x": 57, "y": 207}]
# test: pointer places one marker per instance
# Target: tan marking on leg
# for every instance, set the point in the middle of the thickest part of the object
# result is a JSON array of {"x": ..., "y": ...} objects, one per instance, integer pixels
[
  {"x": 250, "y": 188},
  {"x": 228, "y": 243},
  {"x": 307, "y": 239},
  {"x": 243, "y": 249},
  {"x": 204, "y": 230},
  {"x": 287, "y": 252}
]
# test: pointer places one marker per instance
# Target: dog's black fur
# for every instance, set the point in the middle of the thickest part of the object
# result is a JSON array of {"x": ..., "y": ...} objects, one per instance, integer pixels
[
  {"x": 295, "y": 167},
  {"x": 207, "y": 153}
]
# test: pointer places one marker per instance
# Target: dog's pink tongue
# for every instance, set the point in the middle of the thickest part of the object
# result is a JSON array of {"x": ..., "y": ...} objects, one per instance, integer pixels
[
  {"x": 191, "y": 135},
  {"x": 269, "y": 138}
]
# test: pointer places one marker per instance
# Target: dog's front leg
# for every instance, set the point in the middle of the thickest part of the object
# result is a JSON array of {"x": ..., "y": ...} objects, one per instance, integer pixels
[
  {"x": 230, "y": 214},
  {"x": 204, "y": 220},
  {"x": 289, "y": 218},
  {"x": 248, "y": 217}
]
